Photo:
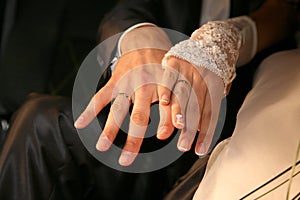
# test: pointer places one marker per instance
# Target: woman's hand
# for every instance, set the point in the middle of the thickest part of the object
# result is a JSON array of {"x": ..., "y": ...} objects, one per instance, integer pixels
[{"x": 190, "y": 100}]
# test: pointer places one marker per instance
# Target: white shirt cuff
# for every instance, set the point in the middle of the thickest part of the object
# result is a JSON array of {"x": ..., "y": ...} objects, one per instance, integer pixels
[{"x": 118, "y": 53}]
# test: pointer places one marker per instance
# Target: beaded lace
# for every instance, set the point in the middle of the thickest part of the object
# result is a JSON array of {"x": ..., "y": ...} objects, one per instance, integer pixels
[{"x": 214, "y": 46}]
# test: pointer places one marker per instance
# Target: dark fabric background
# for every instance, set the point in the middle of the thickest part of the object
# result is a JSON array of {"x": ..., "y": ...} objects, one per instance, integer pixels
[{"x": 45, "y": 47}]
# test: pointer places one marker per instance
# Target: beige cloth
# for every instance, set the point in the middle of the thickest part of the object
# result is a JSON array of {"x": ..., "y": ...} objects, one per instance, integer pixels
[{"x": 265, "y": 140}]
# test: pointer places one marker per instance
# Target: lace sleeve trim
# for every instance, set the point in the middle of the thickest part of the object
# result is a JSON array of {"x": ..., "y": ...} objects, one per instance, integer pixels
[{"x": 215, "y": 46}]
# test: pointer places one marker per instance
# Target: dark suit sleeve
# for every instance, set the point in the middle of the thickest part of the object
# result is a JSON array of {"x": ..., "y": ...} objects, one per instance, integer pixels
[
  {"x": 124, "y": 15},
  {"x": 127, "y": 13},
  {"x": 182, "y": 16}
]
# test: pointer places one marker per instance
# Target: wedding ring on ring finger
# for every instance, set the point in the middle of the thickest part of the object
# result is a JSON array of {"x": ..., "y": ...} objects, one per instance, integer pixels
[
  {"x": 123, "y": 94},
  {"x": 182, "y": 86},
  {"x": 184, "y": 82},
  {"x": 121, "y": 103},
  {"x": 182, "y": 92}
]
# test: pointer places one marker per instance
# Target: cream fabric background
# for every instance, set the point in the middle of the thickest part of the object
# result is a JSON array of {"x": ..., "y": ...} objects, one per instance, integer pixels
[{"x": 266, "y": 137}]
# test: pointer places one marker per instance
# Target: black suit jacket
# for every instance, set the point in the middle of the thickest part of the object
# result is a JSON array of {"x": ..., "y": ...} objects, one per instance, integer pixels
[{"x": 179, "y": 15}]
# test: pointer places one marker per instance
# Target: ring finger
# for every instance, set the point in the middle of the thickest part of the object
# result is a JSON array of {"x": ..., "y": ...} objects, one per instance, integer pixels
[
  {"x": 118, "y": 111},
  {"x": 179, "y": 101}
]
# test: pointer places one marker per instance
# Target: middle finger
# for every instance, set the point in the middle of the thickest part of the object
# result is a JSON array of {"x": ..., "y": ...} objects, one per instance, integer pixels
[{"x": 138, "y": 124}]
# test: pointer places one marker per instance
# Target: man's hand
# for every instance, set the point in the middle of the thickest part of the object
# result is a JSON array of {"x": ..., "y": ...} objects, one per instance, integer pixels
[{"x": 133, "y": 81}]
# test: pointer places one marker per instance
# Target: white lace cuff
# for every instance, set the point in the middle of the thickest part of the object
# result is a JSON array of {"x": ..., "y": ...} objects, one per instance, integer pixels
[{"x": 215, "y": 46}]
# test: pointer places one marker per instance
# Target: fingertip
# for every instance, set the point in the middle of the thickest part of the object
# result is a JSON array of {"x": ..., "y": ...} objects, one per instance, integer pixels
[
  {"x": 79, "y": 123},
  {"x": 201, "y": 149},
  {"x": 162, "y": 136},
  {"x": 164, "y": 99},
  {"x": 127, "y": 158},
  {"x": 103, "y": 143},
  {"x": 201, "y": 155},
  {"x": 179, "y": 122},
  {"x": 183, "y": 145},
  {"x": 163, "y": 133}
]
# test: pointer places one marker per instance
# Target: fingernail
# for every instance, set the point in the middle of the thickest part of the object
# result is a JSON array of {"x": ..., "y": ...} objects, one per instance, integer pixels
[
  {"x": 161, "y": 132},
  {"x": 78, "y": 122},
  {"x": 126, "y": 158},
  {"x": 179, "y": 120},
  {"x": 183, "y": 145},
  {"x": 164, "y": 99},
  {"x": 103, "y": 143},
  {"x": 202, "y": 150}
]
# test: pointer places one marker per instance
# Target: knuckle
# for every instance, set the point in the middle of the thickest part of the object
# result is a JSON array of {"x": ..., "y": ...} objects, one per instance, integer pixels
[
  {"x": 133, "y": 146},
  {"x": 181, "y": 90},
  {"x": 145, "y": 76},
  {"x": 132, "y": 143},
  {"x": 173, "y": 62},
  {"x": 89, "y": 112},
  {"x": 171, "y": 75},
  {"x": 191, "y": 130},
  {"x": 166, "y": 124},
  {"x": 116, "y": 107},
  {"x": 139, "y": 117},
  {"x": 143, "y": 89},
  {"x": 110, "y": 132}
]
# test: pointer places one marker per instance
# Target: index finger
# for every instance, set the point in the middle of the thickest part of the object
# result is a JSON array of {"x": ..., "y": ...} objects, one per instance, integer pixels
[{"x": 97, "y": 103}]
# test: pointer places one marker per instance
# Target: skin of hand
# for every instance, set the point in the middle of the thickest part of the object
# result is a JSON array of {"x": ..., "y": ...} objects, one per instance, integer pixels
[
  {"x": 133, "y": 81},
  {"x": 190, "y": 98},
  {"x": 137, "y": 74}
]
